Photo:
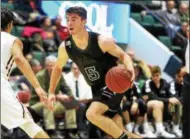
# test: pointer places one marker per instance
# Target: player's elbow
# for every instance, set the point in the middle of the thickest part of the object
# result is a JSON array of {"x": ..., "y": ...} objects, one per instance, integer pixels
[{"x": 19, "y": 59}]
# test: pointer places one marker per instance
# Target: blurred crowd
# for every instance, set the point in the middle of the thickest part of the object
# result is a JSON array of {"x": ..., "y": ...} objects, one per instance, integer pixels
[
  {"x": 174, "y": 15},
  {"x": 152, "y": 107}
]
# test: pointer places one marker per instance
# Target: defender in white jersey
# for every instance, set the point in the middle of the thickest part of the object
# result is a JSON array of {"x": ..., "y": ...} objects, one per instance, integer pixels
[{"x": 13, "y": 113}]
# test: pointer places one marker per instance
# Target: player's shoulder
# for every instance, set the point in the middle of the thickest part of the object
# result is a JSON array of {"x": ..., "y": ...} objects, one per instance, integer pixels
[
  {"x": 105, "y": 39},
  {"x": 66, "y": 42}
]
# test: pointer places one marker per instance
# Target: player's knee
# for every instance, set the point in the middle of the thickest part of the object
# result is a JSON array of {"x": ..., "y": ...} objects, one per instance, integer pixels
[{"x": 90, "y": 115}]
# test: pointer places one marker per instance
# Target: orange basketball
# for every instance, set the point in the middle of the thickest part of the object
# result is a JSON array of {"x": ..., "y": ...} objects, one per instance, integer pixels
[
  {"x": 24, "y": 96},
  {"x": 118, "y": 79}
]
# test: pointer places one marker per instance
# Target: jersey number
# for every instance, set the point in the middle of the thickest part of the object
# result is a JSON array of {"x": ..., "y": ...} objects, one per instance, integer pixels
[{"x": 92, "y": 73}]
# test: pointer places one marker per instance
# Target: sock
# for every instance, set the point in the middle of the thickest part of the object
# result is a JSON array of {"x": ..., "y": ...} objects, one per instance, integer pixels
[
  {"x": 176, "y": 127},
  {"x": 123, "y": 136},
  {"x": 159, "y": 127},
  {"x": 146, "y": 126},
  {"x": 136, "y": 129}
]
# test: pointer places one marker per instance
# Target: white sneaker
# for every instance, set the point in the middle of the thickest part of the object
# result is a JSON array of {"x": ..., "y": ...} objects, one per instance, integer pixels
[
  {"x": 137, "y": 132},
  {"x": 177, "y": 132},
  {"x": 164, "y": 134},
  {"x": 149, "y": 134}
]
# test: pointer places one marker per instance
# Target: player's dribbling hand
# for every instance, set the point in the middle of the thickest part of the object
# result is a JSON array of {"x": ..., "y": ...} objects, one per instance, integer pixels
[{"x": 51, "y": 101}]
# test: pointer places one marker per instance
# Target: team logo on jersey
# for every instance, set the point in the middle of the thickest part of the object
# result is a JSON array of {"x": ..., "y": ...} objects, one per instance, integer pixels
[{"x": 68, "y": 43}]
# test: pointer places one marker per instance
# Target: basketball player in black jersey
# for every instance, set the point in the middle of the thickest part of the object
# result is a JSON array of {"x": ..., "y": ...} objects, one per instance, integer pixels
[{"x": 94, "y": 54}]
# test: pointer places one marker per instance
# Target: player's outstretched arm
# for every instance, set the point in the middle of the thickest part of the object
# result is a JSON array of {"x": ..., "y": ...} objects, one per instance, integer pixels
[
  {"x": 108, "y": 45},
  {"x": 57, "y": 72},
  {"x": 25, "y": 68}
]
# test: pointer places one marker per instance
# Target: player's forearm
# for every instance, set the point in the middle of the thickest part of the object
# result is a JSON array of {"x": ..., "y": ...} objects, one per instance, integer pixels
[
  {"x": 25, "y": 68},
  {"x": 55, "y": 77}
]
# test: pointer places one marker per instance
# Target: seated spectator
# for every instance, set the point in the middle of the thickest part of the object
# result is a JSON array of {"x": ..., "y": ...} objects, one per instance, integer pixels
[
  {"x": 178, "y": 40},
  {"x": 169, "y": 17},
  {"x": 52, "y": 39},
  {"x": 183, "y": 12},
  {"x": 23, "y": 83},
  {"x": 63, "y": 31},
  {"x": 176, "y": 87},
  {"x": 81, "y": 91},
  {"x": 142, "y": 73},
  {"x": 62, "y": 90},
  {"x": 135, "y": 106},
  {"x": 156, "y": 92},
  {"x": 182, "y": 42}
]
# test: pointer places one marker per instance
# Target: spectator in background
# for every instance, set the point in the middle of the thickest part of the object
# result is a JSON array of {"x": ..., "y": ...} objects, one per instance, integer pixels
[
  {"x": 182, "y": 42},
  {"x": 156, "y": 92},
  {"x": 176, "y": 91},
  {"x": 62, "y": 90},
  {"x": 183, "y": 12},
  {"x": 81, "y": 91},
  {"x": 142, "y": 73},
  {"x": 178, "y": 40},
  {"x": 22, "y": 82},
  {"x": 134, "y": 107},
  {"x": 169, "y": 17},
  {"x": 52, "y": 39},
  {"x": 177, "y": 85},
  {"x": 62, "y": 31}
]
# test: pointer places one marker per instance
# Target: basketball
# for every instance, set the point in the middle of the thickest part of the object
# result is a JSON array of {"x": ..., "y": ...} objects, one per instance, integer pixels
[
  {"x": 118, "y": 79},
  {"x": 24, "y": 96}
]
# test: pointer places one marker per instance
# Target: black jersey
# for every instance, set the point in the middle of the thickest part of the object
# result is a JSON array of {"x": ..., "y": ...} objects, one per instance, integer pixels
[
  {"x": 133, "y": 92},
  {"x": 176, "y": 89},
  {"x": 162, "y": 93},
  {"x": 92, "y": 62}
]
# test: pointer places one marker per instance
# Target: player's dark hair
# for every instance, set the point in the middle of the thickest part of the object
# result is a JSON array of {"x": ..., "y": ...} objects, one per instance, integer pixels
[
  {"x": 178, "y": 70},
  {"x": 77, "y": 10},
  {"x": 6, "y": 18},
  {"x": 155, "y": 69}
]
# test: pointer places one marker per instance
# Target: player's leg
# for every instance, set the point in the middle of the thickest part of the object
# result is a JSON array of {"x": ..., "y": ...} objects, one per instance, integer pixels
[
  {"x": 119, "y": 121},
  {"x": 95, "y": 115},
  {"x": 33, "y": 130}
]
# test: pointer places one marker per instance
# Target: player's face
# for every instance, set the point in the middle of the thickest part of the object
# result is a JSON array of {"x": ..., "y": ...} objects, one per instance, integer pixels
[
  {"x": 75, "y": 23},
  {"x": 156, "y": 77}
]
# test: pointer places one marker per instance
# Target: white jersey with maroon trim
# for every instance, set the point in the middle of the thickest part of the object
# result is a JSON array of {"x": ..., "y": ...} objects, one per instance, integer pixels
[{"x": 7, "y": 62}]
